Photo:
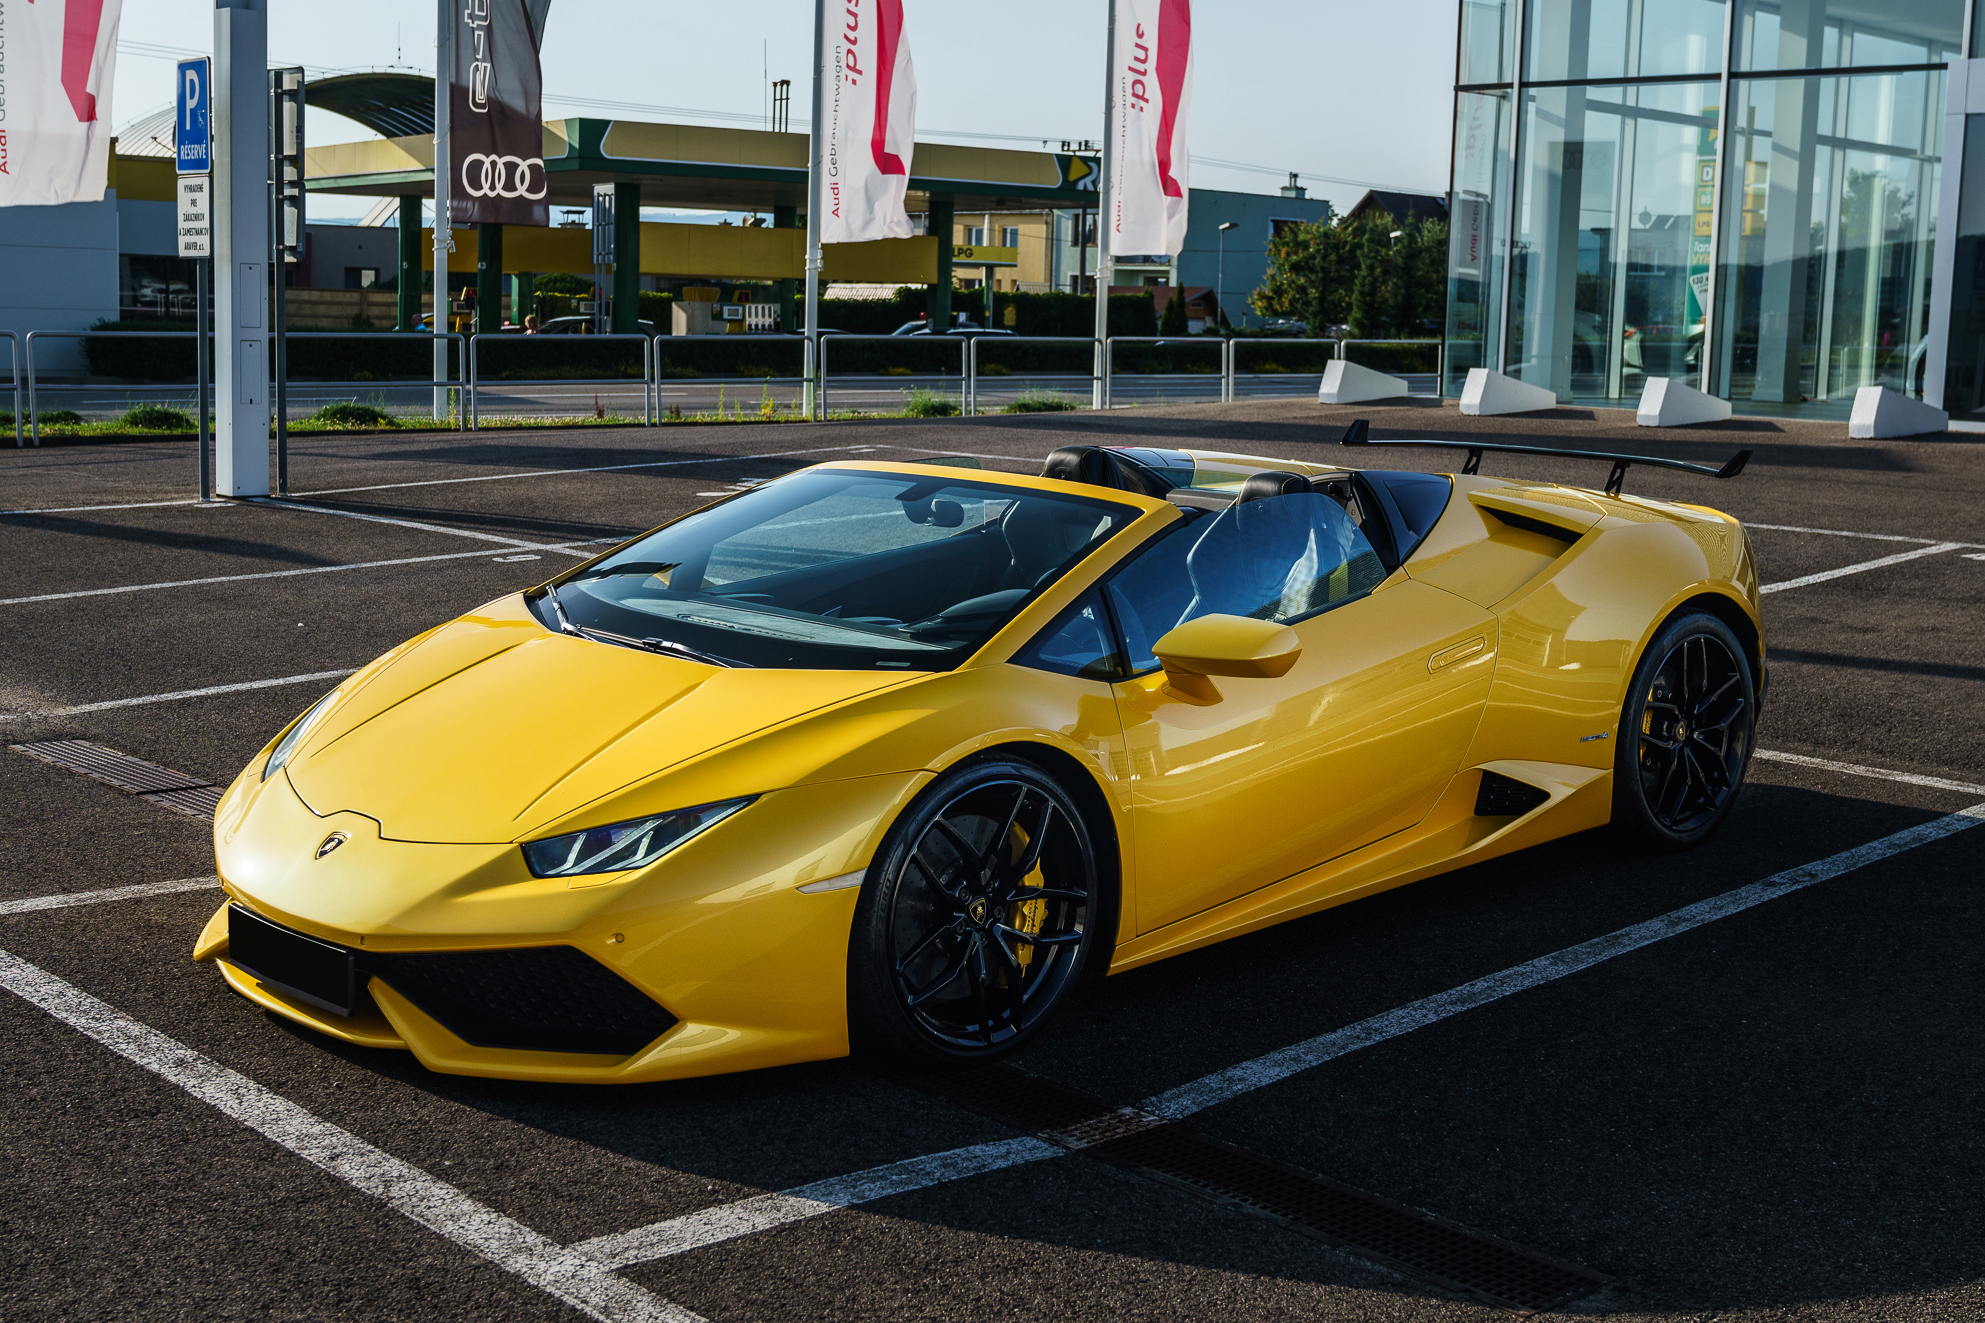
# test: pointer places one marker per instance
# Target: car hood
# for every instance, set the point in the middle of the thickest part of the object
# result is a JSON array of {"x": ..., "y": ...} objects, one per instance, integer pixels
[{"x": 492, "y": 727}]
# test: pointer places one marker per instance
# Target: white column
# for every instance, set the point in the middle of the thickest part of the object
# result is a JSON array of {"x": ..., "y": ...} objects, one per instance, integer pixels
[
  {"x": 241, "y": 247},
  {"x": 1100, "y": 395},
  {"x": 815, "y": 125},
  {"x": 444, "y": 238}
]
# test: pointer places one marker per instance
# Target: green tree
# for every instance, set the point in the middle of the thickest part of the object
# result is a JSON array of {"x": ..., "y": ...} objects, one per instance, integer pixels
[
  {"x": 1172, "y": 320},
  {"x": 1374, "y": 289},
  {"x": 1310, "y": 271}
]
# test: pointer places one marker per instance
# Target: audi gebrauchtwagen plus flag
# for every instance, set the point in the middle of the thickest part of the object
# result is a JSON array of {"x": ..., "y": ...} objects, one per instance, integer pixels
[
  {"x": 56, "y": 62},
  {"x": 1148, "y": 162},
  {"x": 495, "y": 105},
  {"x": 862, "y": 149}
]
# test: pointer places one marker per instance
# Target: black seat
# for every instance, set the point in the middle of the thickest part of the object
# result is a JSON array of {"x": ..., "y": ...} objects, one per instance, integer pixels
[
  {"x": 1100, "y": 466},
  {"x": 1274, "y": 482}
]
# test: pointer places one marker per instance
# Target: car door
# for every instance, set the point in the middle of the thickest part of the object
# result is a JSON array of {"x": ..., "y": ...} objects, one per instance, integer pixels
[{"x": 1353, "y": 744}]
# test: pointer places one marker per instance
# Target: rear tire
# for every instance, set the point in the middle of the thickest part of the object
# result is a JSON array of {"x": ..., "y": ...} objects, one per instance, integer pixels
[
  {"x": 975, "y": 919},
  {"x": 1686, "y": 732}
]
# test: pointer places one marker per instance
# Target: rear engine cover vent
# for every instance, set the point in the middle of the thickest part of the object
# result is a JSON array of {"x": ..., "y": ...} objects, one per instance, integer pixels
[{"x": 1506, "y": 797}]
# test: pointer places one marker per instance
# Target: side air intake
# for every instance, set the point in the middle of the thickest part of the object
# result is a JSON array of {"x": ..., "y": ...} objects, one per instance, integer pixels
[{"x": 1506, "y": 797}]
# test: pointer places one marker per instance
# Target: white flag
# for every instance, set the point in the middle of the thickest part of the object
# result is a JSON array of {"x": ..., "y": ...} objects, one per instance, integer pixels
[
  {"x": 1148, "y": 187},
  {"x": 862, "y": 148},
  {"x": 56, "y": 62}
]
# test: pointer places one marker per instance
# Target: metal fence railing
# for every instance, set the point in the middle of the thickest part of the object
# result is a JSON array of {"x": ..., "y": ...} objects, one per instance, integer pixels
[
  {"x": 964, "y": 360},
  {"x": 1440, "y": 353},
  {"x": 647, "y": 380},
  {"x": 465, "y": 391},
  {"x": 14, "y": 365},
  {"x": 1193, "y": 345},
  {"x": 974, "y": 370},
  {"x": 36, "y": 385}
]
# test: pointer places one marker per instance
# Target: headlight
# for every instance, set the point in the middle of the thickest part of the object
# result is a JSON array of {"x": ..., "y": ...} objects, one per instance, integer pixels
[
  {"x": 287, "y": 746},
  {"x": 635, "y": 843}
]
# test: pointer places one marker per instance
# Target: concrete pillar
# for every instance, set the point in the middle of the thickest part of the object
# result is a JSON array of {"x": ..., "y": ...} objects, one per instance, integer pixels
[
  {"x": 409, "y": 291},
  {"x": 786, "y": 218},
  {"x": 241, "y": 248},
  {"x": 526, "y": 302},
  {"x": 626, "y": 258},
  {"x": 939, "y": 224},
  {"x": 489, "y": 279}
]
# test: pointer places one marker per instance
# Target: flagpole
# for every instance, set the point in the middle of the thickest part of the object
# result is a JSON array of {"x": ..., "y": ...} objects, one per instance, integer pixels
[
  {"x": 1100, "y": 392},
  {"x": 813, "y": 259},
  {"x": 444, "y": 72}
]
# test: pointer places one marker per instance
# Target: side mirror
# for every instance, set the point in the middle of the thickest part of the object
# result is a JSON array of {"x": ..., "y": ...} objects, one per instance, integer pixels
[{"x": 1223, "y": 645}]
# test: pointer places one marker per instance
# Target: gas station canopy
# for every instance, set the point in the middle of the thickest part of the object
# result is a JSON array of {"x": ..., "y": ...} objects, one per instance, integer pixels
[{"x": 686, "y": 166}]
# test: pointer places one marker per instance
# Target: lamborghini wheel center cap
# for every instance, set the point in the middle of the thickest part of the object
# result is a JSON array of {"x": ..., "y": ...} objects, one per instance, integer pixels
[
  {"x": 1681, "y": 730},
  {"x": 978, "y": 910}
]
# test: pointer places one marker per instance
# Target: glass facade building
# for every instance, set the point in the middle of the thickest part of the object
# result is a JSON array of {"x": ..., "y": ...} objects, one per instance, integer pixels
[{"x": 1739, "y": 193}]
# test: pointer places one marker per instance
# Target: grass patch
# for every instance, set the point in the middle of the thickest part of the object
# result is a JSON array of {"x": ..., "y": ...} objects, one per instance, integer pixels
[
  {"x": 350, "y": 413},
  {"x": 994, "y": 370},
  {"x": 1040, "y": 401},
  {"x": 921, "y": 403},
  {"x": 157, "y": 418},
  {"x": 893, "y": 372}
]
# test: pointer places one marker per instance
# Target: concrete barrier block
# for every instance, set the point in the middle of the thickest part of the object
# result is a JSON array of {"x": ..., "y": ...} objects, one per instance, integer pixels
[
  {"x": 1879, "y": 411},
  {"x": 1669, "y": 402},
  {"x": 1347, "y": 383},
  {"x": 1487, "y": 393}
]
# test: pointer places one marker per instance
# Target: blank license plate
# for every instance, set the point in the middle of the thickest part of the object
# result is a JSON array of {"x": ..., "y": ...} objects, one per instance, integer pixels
[{"x": 310, "y": 970}]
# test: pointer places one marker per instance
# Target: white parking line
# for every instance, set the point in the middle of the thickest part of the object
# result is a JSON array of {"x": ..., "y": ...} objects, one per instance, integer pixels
[
  {"x": 176, "y": 695},
  {"x": 266, "y": 574},
  {"x": 712, "y": 1226},
  {"x": 1901, "y": 556},
  {"x": 1842, "y": 532},
  {"x": 1248, "y": 1076},
  {"x": 1854, "y": 769},
  {"x": 745, "y": 1217},
  {"x": 414, "y": 524},
  {"x": 486, "y": 477},
  {"x": 67, "y": 899},
  {"x": 574, "y": 1278}
]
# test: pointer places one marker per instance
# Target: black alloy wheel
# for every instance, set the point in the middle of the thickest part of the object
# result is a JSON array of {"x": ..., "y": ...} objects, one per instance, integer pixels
[
  {"x": 1686, "y": 734},
  {"x": 975, "y": 919}
]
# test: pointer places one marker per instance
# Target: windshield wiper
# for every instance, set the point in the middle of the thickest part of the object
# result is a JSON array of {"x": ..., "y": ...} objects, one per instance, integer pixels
[
  {"x": 674, "y": 649},
  {"x": 565, "y": 625}
]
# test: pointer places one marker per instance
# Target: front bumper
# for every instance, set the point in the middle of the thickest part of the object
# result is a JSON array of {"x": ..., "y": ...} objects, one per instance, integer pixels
[{"x": 715, "y": 935}]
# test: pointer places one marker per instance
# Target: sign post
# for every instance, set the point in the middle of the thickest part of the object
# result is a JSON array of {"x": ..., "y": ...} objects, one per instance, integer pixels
[
  {"x": 286, "y": 224},
  {"x": 193, "y": 149},
  {"x": 241, "y": 247}
]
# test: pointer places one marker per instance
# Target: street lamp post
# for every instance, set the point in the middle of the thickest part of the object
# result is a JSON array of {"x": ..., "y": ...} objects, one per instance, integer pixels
[{"x": 1220, "y": 279}]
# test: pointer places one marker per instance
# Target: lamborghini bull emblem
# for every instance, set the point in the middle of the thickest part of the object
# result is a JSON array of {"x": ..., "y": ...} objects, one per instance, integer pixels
[
  {"x": 979, "y": 910},
  {"x": 331, "y": 842}
]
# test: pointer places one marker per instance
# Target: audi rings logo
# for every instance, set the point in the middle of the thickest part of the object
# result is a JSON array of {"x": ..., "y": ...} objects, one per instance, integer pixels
[{"x": 487, "y": 176}]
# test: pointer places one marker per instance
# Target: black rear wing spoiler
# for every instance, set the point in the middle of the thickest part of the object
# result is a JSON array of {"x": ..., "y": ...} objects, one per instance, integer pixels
[{"x": 1359, "y": 434}]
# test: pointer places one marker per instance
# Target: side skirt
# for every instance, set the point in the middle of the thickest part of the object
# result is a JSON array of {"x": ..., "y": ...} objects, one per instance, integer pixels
[{"x": 1449, "y": 837}]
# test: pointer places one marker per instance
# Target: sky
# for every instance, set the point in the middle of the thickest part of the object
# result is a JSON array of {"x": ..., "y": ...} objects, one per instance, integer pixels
[{"x": 1348, "y": 93}]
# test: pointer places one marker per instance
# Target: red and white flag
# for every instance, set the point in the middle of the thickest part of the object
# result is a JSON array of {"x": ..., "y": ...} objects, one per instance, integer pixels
[
  {"x": 56, "y": 62},
  {"x": 1153, "y": 71},
  {"x": 862, "y": 146}
]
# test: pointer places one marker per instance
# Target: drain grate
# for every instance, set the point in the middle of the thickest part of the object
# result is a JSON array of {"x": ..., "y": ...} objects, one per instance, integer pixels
[
  {"x": 181, "y": 792},
  {"x": 1419, "y": 1245},
  {"x": 194, "y": 801}
]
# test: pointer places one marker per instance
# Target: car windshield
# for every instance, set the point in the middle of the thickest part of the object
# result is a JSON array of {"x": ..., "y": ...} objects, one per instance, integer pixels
[{"x": 835, "y": 569}]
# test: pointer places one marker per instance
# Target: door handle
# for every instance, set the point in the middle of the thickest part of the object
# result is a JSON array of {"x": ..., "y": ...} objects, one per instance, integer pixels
[{"x": 1459, "y": 652}]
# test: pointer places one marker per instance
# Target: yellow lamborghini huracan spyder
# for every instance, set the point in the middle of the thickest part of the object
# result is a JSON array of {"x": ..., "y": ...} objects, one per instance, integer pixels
[{"x": 885, "y": 755}]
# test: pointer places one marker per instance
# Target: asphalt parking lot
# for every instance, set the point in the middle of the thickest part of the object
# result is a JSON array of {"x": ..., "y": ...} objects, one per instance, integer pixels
[{"x": 1742, "y": 1083}]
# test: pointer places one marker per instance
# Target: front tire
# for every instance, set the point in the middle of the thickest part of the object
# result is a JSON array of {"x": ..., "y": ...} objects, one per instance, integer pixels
[
  {"x": 1686, "y": 733},
  {"x": 975, "y": 918}
]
